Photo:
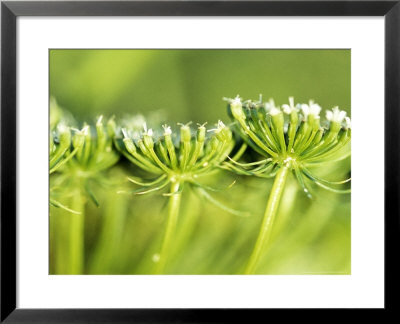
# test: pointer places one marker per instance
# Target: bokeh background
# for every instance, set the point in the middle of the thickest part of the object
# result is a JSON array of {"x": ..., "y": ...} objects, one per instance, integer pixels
[{"x": 124, "y": 232}]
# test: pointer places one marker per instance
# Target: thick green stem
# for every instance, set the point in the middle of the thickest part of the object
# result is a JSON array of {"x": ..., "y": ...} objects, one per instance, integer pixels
[
  {"x": 268, "y": 220},
  {"x": 173, "y": 212},
  {"x": 76, "y": 235}
]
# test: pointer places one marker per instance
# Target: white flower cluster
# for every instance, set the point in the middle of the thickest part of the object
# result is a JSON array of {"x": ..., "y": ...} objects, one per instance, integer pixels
[{"x": 311, "y": 109}]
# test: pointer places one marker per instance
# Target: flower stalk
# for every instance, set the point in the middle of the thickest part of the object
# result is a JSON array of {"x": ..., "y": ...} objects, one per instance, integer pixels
[
  {"x": 76, "y": 235},
  {"x": 268, "y": 219},
  {"x": 172, "y": 219}
]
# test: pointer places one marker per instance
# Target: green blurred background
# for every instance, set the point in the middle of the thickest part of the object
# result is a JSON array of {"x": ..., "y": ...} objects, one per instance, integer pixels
[{"x": 122, "y": 235}]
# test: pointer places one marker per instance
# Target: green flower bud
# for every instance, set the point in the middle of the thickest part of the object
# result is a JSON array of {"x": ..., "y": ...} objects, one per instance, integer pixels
[
  {"x": 237, "y": 109},
  {"x": 64, "y": 135},
  {"x": 111, "y": 126},
  {"x": 148, "y": 141},
  {"x": 79, "y": 137},
  {"x": 201, "y": 133},
  {"x": 214, "y": 143},
  {"x": 185, "y": 133},
  {"x": 222, "y": 132},
  {"x": 143, "y": 147},
  {"x": 294, "y": 117},
  {"x": 316, "y": 124},
  {"x": 101, "y": 134},
  {"x": 277, "y": 118},
  {"x": 129, "y": 145}
]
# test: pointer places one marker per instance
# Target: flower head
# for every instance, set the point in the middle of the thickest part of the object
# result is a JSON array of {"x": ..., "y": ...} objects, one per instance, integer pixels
[
  {"x": 81, "y": 155},
  {"x": 290, "y": 141},
  {"x": 178, "y": 157}
]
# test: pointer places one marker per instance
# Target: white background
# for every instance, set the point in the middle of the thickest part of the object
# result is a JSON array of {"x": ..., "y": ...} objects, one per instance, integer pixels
[{"x": 363, "y": 288}]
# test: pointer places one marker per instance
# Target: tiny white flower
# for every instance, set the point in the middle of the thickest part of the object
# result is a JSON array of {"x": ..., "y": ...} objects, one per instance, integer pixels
[
  {"x": 347, "y": 122},
  {"x": 62, "y": 128},
  {"x": 85, "y": 130},
  {"x": 315, "y": 109},
  {"x": 310, "y": 109},
  {"x": 99, "y": 120},
  {"x": 185, "y": 126},
  {"x": 220, "y": 126},
  {"x": 236, "y": 107},
  {"x": 167, "y": 129},
  {"x": 289, "y": 108},
  {"x": 237, "y": 101},
  {"x": 271, "y": 108},
  {"x": 336, "y": 115},
  {"x": 125, "y": 133},
  {"x": 274, "y": 111},
  {"x": 269, "y": 105},
  {"x": 201, "y": 125},
  {"x": 149, "y": 131}
]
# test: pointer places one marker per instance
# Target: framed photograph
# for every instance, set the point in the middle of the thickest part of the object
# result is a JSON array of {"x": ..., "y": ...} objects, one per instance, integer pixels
[{"x": 190, "y": 161}]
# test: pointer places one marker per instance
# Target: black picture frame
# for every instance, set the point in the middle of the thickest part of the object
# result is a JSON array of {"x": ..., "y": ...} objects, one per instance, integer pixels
[{"x": 10, "y": 10}]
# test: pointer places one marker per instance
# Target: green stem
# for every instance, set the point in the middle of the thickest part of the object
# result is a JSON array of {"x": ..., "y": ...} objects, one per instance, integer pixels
[
  {"x": 59, "y": 241},
  {"x": 188, "y": 222},
  {"x": 104, "y": 259},
  {"x": 269, "y": 216},
  {"x": 240, "y": 152},
  {"x": 173, "y": 211},
  {"x": 76, "y": 235}
]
